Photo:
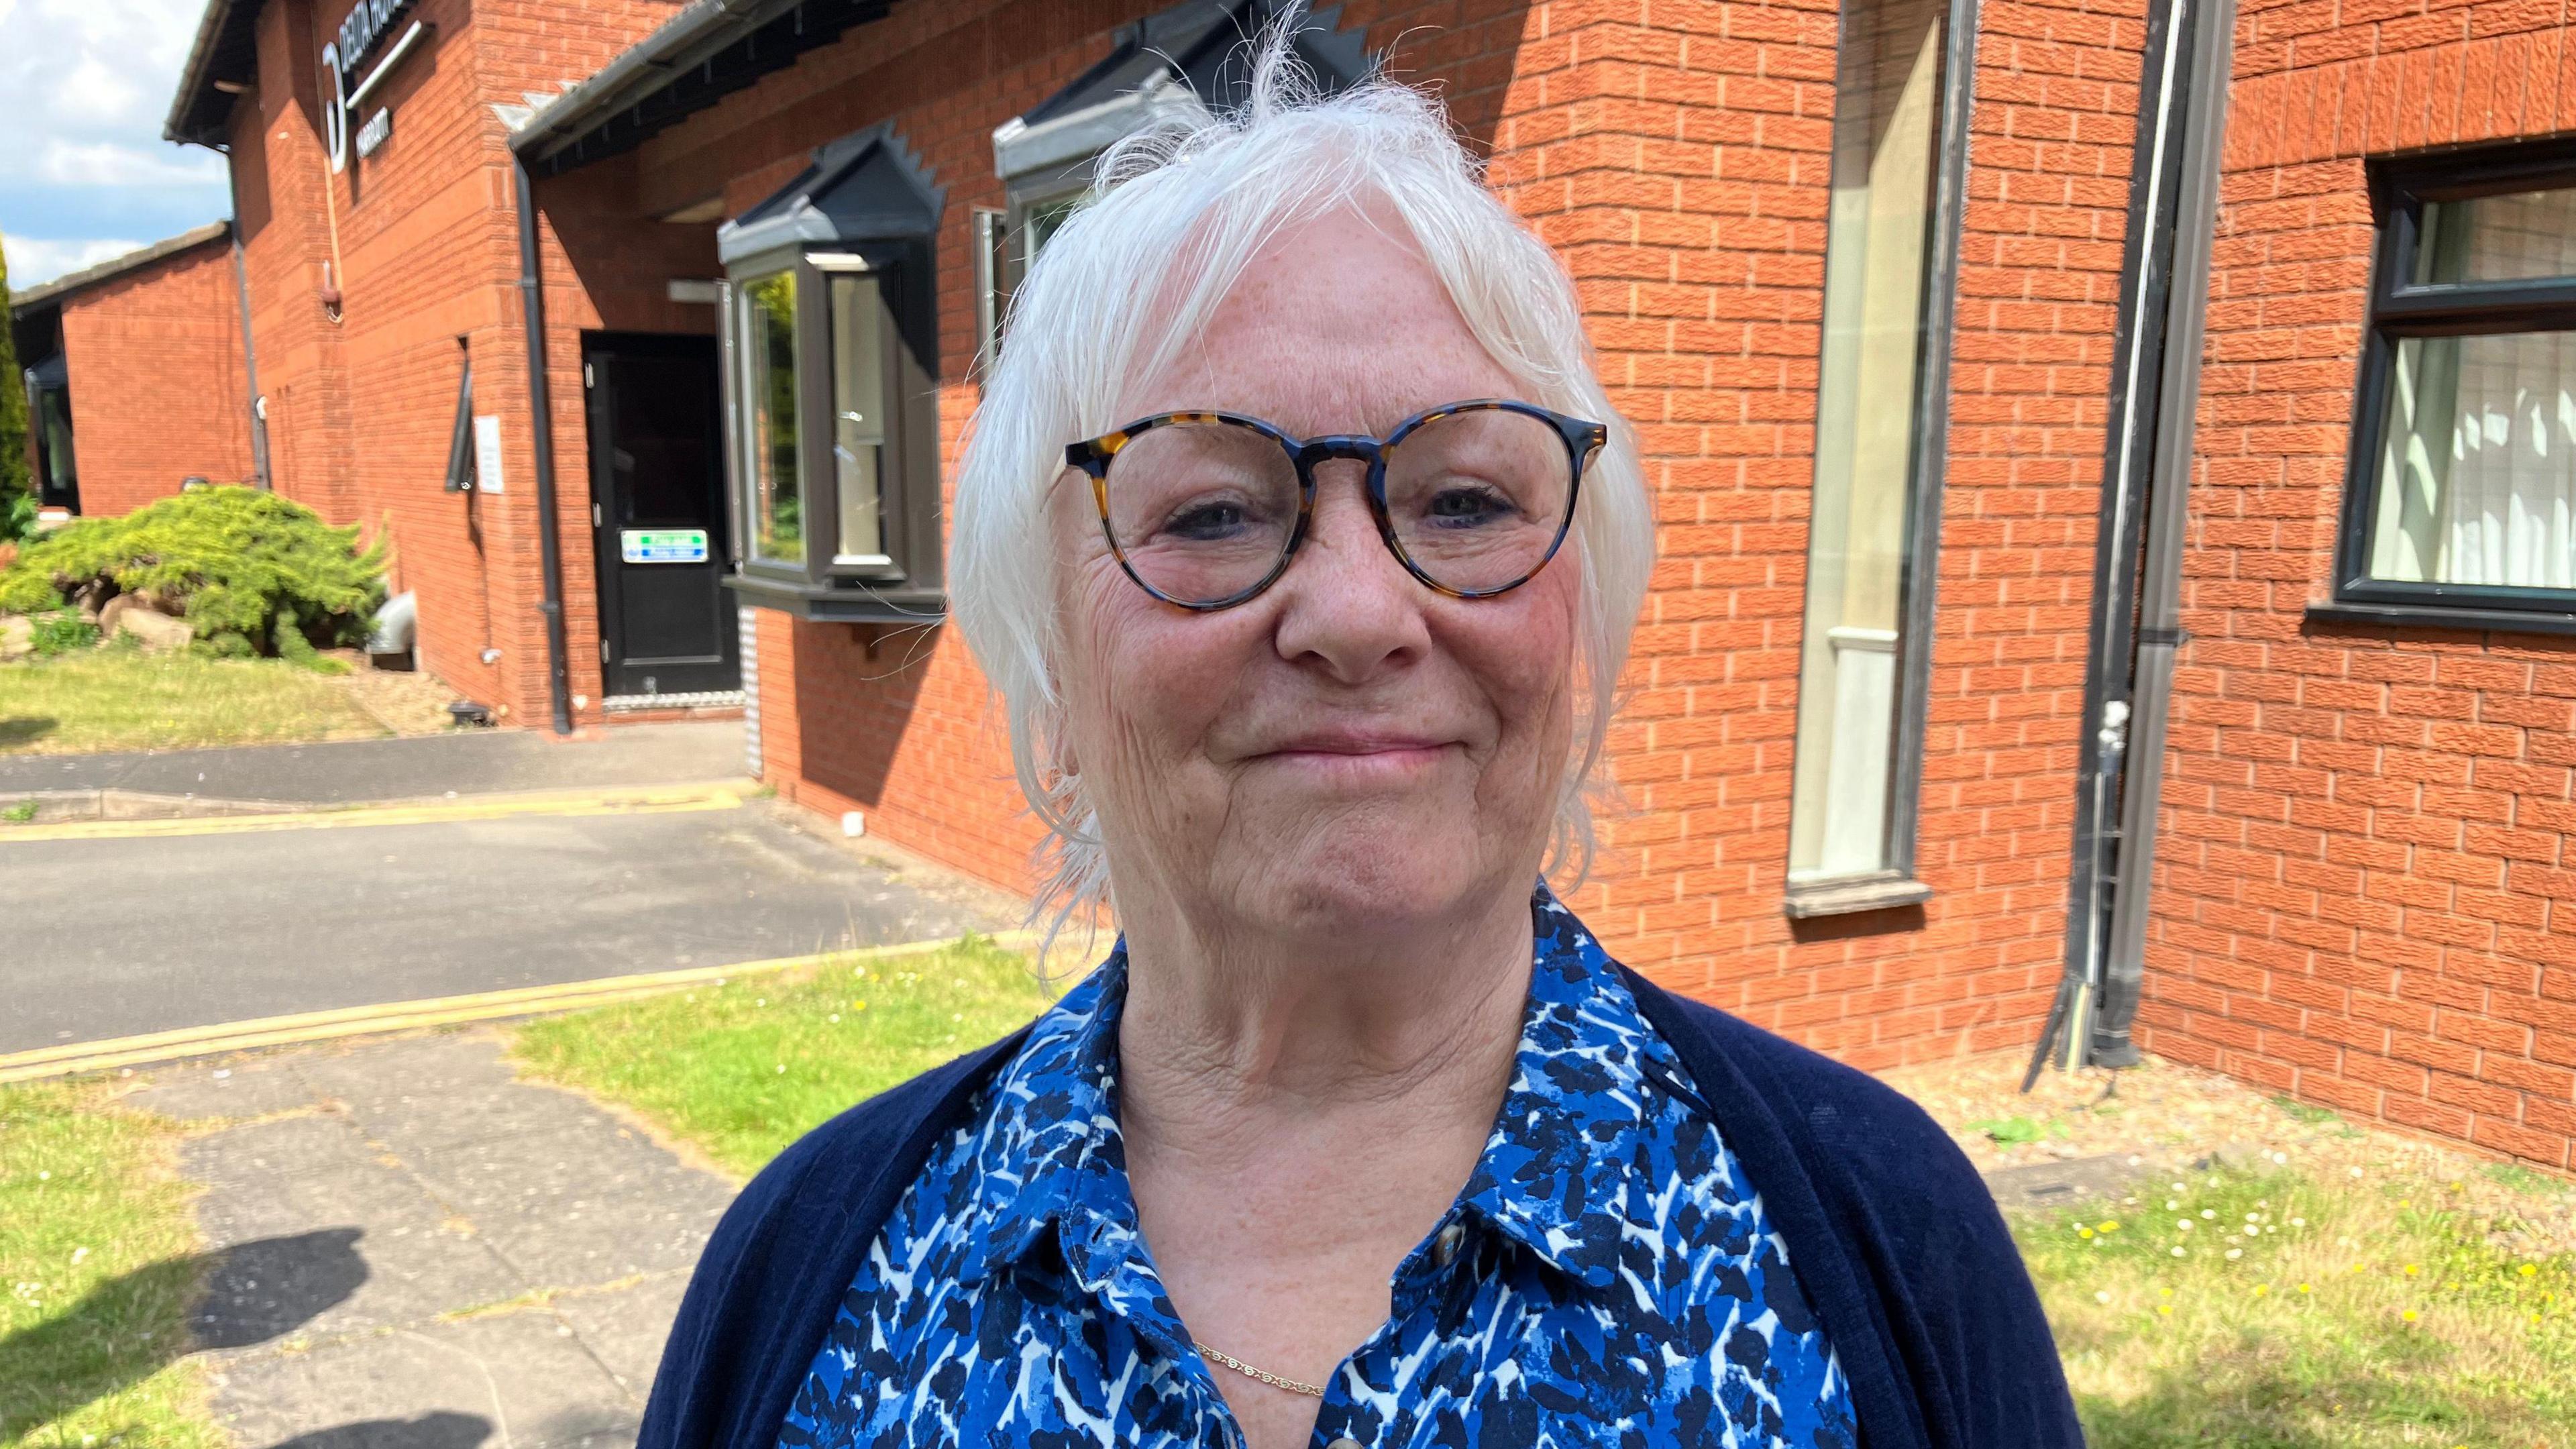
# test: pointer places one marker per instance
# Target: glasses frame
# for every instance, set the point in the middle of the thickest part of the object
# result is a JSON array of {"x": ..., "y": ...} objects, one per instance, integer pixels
[{"x": 1583, "y": 442}]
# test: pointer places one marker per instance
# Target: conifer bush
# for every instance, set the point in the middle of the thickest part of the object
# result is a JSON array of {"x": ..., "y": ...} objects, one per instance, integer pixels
[{"x": 254, "y": 573}]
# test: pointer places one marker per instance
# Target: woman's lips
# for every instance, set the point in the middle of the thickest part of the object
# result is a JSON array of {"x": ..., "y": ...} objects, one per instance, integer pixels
[{"x": 1359, "y": 757}]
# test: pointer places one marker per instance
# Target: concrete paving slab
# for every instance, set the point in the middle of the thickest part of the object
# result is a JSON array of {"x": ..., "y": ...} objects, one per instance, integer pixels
[
  {"x": 413, "y": 1259},
  {"x": 564, "y": 1213},
  {"x": 347, "y": 772},
  {"x": 406, "y": 1093},
  {"x": 230, "y": 1090},
  {"x": 627, "y": 1328},
  {"x": 527, "y": 1374},
  {"x": 268, "y": 1156},
  {"x": 385, "y": 1279}
]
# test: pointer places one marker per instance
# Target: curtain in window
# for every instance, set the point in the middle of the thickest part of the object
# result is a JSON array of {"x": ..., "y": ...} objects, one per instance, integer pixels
[{"x": 2478, "y": 481}]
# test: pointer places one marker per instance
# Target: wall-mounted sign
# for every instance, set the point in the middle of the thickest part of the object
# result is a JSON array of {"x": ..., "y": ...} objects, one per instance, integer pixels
[
  {"x": 360, "y": 34},
  {"x": 487, "y": 452},
  {"x": 662, "y": 545},
  {"x": 372, "y": 136}
]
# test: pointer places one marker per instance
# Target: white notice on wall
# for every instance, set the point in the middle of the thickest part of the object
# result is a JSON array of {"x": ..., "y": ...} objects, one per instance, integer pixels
[{"x": 487, "y": 453}]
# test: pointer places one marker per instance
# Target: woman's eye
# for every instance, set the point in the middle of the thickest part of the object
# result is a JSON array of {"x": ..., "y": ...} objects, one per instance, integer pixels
[
  {"x": 1463, "y": 507},
  {"x": 1212, "y": 521}
]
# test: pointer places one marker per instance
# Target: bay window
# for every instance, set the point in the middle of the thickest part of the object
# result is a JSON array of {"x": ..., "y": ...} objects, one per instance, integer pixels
[{"x": 831, "y": 363}]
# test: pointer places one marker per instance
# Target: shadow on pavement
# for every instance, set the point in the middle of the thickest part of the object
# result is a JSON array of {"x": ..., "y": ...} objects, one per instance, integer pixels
[
  {"x": 117, "y": 1335},
  {"x": 266, "y": 1289},
  {"x": 440, "y": 1430}
]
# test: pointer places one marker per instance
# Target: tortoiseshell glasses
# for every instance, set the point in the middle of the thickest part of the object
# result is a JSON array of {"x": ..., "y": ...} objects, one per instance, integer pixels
[{"x": 1205, "y": 509}]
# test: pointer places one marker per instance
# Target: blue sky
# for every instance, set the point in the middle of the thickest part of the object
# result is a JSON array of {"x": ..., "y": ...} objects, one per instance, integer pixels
[{"x": 84, "y": 173}]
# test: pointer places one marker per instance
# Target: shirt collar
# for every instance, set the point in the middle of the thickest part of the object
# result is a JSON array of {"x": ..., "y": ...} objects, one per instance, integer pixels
[
  {"x": 1572, "y": 1138},
  {"x": 1554, "y": 1175}
]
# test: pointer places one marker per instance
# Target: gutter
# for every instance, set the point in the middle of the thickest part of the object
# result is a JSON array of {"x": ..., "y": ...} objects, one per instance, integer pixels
[
  {"x": 655, "y": 55},
  {"x": 250, "y": 348},
  {"x": 2155, "y": 387},
  {"x": 541, "y": 432}
]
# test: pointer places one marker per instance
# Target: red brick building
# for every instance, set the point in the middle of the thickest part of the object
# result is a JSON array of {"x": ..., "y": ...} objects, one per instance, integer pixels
[
  {"x": 1906, "y": 301},
  {"x": 136, "y": 375}
]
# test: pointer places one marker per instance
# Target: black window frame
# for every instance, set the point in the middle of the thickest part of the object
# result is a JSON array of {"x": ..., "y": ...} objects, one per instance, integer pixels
[
  {"x": 2400, "y": 309},
  {"x": 905, "y": 580},
  {"x": 1895, "y": 885}
]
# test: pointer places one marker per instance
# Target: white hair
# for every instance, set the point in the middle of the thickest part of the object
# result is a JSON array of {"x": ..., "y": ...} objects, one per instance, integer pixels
[{"x": 1174, "y": 217}]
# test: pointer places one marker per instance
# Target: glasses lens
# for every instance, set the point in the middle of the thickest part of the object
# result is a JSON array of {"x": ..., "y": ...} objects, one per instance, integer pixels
[
  {"x": 1202, "y": 511},
  {"x": 1478, "y": 499}
]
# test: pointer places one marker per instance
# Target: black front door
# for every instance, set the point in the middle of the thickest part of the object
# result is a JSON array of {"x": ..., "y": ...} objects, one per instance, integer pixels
[{"x": 657, "y": 496}]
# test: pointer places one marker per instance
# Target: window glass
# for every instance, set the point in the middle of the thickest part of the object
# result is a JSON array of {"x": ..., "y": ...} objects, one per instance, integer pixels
[
  {"x": 2477, "y": 474},
  {"x": 1887, "y": 94},
  {"x": 2522, "y": 236},
  {"x": 61, "y": 476},
  {"x": 769, "y": 408},
  {"x": 860, "y": 402}
]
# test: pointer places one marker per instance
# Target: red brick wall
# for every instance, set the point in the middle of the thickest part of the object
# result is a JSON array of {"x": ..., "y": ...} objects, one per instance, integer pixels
[
  {"x": 1676, "y": 155},
  {"x": 2365, "y": 896},
  {"x": 155, "y": 359},
  {"x": 421, "y": 242}
]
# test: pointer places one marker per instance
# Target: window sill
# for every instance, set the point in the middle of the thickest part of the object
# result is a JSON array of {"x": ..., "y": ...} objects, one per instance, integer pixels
[
  {"x": 2435, "y": 616},
  {"x": 841, "y": 604},
  {"x": 1853, "y": 895}
]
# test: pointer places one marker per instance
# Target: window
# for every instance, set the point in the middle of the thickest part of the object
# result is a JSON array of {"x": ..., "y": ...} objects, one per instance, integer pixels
[
  {"x": 1874, "y": 508},
  {"x": 1177, "y": 62},
  {"x": 767, "y": 350},
  {"x": 2460, "y": 502},
  {"x": 831, "y": 388},
  {"x": 50, "y": 419}
]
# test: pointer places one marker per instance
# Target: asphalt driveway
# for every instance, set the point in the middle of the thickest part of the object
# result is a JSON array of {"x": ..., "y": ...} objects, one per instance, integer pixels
[{"x": 114, "y": 937}]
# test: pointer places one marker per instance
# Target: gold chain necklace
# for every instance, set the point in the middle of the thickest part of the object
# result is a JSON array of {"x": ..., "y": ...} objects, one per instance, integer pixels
[{"x": 1248, "y": 1371}]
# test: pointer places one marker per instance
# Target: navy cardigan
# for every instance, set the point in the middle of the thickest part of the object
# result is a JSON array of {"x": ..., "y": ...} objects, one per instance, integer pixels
[{"x": 1899, "y": 1247}]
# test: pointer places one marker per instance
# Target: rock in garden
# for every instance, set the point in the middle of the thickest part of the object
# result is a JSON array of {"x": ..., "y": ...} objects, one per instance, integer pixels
[
  {"x": 17, "y": 637},
  {"x": 159, "y": 632}
]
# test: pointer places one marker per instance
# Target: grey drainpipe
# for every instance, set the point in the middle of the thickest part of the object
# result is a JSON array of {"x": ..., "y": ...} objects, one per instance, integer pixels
[
  {"x": 2146, "y": 468},
  {"x": 2160, "y": 634},
  {"x": 250, "y": 350},
  {"x": 541, "y": 432}
]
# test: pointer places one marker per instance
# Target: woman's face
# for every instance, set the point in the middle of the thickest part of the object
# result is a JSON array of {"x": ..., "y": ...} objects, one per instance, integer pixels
[{"x": 1349, "y": 749}]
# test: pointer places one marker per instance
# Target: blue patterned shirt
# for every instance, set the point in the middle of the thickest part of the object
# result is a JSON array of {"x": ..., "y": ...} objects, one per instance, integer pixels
[{"x": 1606, "y": 1277}]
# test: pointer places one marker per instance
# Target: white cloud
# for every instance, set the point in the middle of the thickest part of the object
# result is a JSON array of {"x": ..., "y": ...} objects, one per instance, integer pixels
[
  {"x": 85, "y": 71},
  {"x": 33, "y": 259},
  {"x": 106, "y": 163},
  {"x": 84, "y": 86}
]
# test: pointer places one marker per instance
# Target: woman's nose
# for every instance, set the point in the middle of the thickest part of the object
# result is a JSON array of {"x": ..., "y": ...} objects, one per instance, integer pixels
[{"x": 1345, "y": 602}]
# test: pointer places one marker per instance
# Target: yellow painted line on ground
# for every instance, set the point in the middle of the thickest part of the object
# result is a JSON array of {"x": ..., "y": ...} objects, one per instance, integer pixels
[
  {"x": 662, "y": 800},
  {"x": 312, "y": 1026}
]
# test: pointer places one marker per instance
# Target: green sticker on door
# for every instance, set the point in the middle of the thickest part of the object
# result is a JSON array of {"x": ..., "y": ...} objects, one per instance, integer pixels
[{"x": 662, "y": 545}]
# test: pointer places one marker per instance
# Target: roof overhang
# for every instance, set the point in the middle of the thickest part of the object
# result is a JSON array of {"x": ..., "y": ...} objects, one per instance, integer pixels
[
  {"x": 705, "y": 52},
  {"x": 225, "y": 53},
  {"x": 109, "y": 270}
]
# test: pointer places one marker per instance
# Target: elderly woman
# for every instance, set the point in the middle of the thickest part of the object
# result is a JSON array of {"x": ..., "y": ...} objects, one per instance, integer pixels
[{"x": 1304, "y": 546}]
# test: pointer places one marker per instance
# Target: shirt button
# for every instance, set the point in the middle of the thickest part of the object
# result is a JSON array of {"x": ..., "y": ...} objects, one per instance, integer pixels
[{"x": 1443, "y": 1249}]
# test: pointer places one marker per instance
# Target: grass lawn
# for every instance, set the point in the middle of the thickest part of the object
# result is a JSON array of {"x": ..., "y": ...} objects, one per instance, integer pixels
[
  {"x": 2370, "y": 1310},
  {"x": 741, "y": 1070},
  {"x": 2360, "y": 1312},
  {"x": 120, "y": 699},
  {"x": 98, "y": 1266}
]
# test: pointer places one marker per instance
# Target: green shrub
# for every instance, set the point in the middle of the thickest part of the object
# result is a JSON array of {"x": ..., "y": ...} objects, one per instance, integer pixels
[
  {"x": 61, "y": 632},
  {"x": 253, "y": 572}
]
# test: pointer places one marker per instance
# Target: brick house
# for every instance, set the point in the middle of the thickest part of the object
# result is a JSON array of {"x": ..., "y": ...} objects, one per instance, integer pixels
[
  {"x": 137, "y": 381},
  {"x": 1986, "y": 585}
]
